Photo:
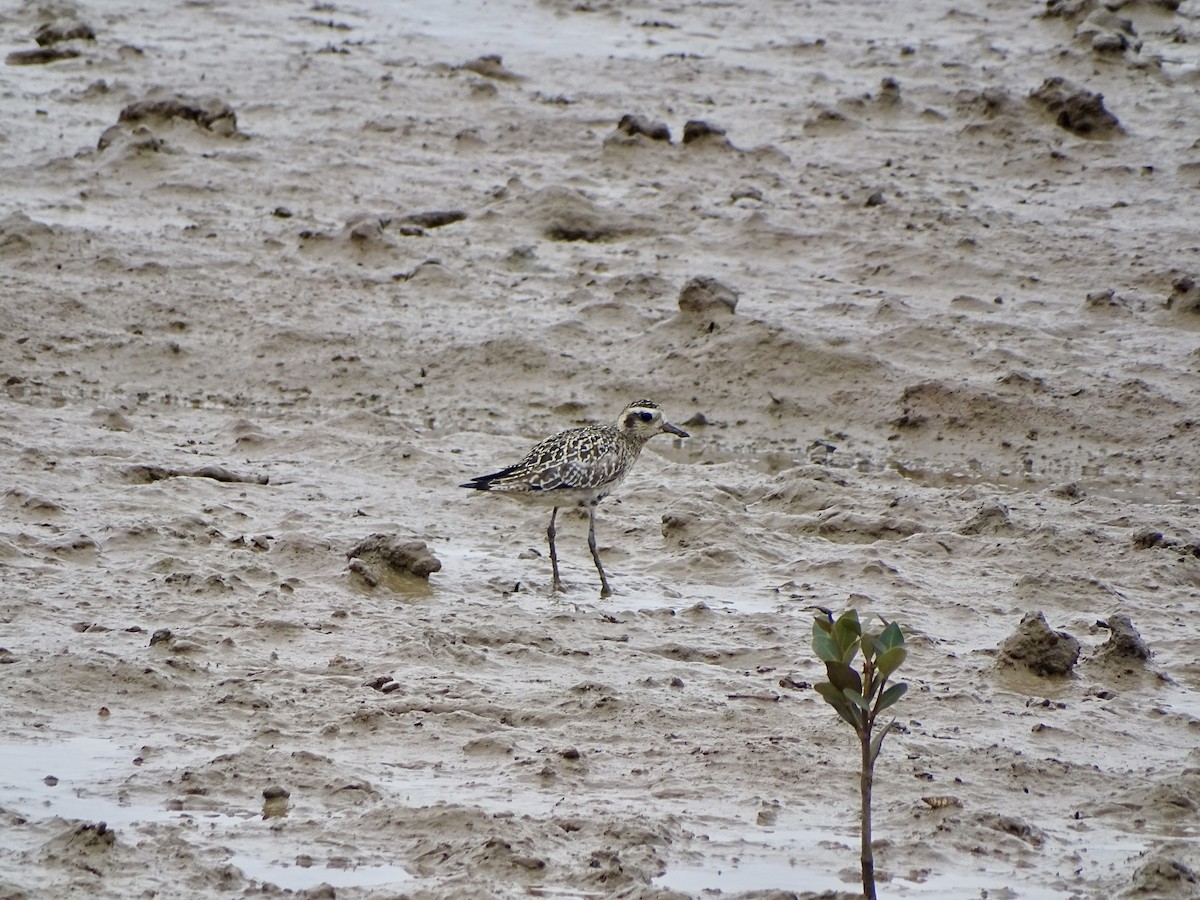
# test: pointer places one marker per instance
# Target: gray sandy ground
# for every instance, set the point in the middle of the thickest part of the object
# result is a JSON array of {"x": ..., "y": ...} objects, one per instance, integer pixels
[{"x": 341, "y": 259}]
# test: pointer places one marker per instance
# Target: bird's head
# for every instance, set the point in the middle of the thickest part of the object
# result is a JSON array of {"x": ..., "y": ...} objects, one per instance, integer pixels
[{"x": 642, "y": 420}]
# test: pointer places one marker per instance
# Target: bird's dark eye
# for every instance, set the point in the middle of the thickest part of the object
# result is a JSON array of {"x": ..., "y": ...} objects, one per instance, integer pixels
[{"x": 645, "y": 416}]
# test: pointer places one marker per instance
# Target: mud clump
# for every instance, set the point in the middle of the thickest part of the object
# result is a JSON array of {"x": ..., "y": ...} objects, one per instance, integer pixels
[
  {"x": 1074, "y": 9},
  {"x": 148, "y": 473},
  {"x": 697, "y": 130},
  {"x": 275, "y": 802},
  {"x": 436, "y": 218},
  {"x": 1185, "y": 296},
  {"x": 635, "y": 125},
  {"x": 366, "y": 228},
  {"x": 679, "y": 528},
  {"x": 1039, "y": 649},
  {"x": 992, "y": 518},
  {"x": 211, "y": 113},
  {"x": 381, "y": 556},
  {"x": 986, "y": 103},
  {"x": 889, "y": 92},
  {"x": 20, "y": 235},
  {"x": 1152, "y": 539},
  {"x": 39, "y": 56},
  {"x": 1124, "y": 644},
  {"x": 84, "y": 841},
  {"x": 490, "y": 66},
  {"x": 567, "y": 215},
  {"x": 1076, "y": 110},
  {"x": 129, "y": 141},
  {"x": 1017, "y": 827},
  {"x": 52, "y": 33},
  {"x": 1148, "y": 538},
  {"x": 1066, "y": 9},
  {"x": 1164, "y": 876},
  {"x": 704, "y": 295}
]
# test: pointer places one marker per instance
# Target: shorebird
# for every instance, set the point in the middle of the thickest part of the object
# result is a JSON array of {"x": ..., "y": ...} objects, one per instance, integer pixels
[{"x": 580, "y": 467}]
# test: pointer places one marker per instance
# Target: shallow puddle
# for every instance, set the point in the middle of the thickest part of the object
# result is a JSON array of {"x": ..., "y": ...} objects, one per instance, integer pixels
[
  {"x": 775, "y": 875},
  {"x": 297, "y": 877},
  {"x": 782, "y": 859},
  {"x": 493, "y": 27},
  {"x": 61, "y": 780},
  {"x": 41, "y": 780},
  {"x": 748, "y": 875},
  {"x": 756, "y": 859}
]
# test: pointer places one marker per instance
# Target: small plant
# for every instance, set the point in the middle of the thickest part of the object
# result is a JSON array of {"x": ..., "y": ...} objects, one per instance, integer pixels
[{"x": 859, "y": 698}]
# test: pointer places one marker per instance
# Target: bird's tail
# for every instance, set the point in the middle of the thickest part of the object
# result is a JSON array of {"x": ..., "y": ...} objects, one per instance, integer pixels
[{"x": 487, "y": 482}]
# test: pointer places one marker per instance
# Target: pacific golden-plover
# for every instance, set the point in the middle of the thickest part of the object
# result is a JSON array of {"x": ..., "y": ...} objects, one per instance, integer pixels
[{"x": 580, "y": 467}]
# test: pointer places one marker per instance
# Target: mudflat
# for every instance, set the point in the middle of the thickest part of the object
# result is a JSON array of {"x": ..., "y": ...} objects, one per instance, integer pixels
[{"x": 920, "y": 280}]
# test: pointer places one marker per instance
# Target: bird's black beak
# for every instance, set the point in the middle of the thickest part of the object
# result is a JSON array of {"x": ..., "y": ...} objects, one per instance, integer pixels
[{"x": 674, "y": 429}]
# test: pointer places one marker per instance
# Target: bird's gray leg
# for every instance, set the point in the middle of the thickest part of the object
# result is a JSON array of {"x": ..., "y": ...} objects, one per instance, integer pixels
[
  {"x": 605, "y": 590},
  {"x": 550, "y": 532}
]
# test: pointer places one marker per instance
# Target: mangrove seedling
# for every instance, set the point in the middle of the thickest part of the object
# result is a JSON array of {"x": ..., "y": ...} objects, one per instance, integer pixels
[{"x": 859, "y": 697}]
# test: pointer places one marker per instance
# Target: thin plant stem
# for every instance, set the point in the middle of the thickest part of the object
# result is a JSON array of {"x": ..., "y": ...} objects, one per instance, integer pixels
[{"x": 866, "y": 783}]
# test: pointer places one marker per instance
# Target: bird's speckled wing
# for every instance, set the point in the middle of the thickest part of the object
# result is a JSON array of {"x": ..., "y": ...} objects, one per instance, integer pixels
[
  {"x": 582, "y": 458},
  {"x": 578, "y": 459}
]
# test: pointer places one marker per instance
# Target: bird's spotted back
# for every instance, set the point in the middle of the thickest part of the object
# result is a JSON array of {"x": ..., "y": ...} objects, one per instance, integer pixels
[
  {"x": 579, "y": 459},
  {"x": 581, "y": 465}
]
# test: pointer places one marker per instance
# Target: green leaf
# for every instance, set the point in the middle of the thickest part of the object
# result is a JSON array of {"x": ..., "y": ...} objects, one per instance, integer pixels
[
  {"x": 843, "y": 677},
  {"x": 876, "y": 644},
  {"x": 829, "y": 692},
  {"x": 891, "y": 695},
  {"x": 867, "y": 645},
  {"x": 837, "y": 700},
  {"x": 823, "y": 644},
  {"x": 847, "y": 630},
  {"x": 891, "y": 637},
  {"x": 877, "y": 740},
  {"x": 856, "y": 698},
  {"x": 889, "y": 661},
  {"x": 854, "y": 716},
  {"x": 851, "y": 715},
  {"x": 848, "y": 653}
]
